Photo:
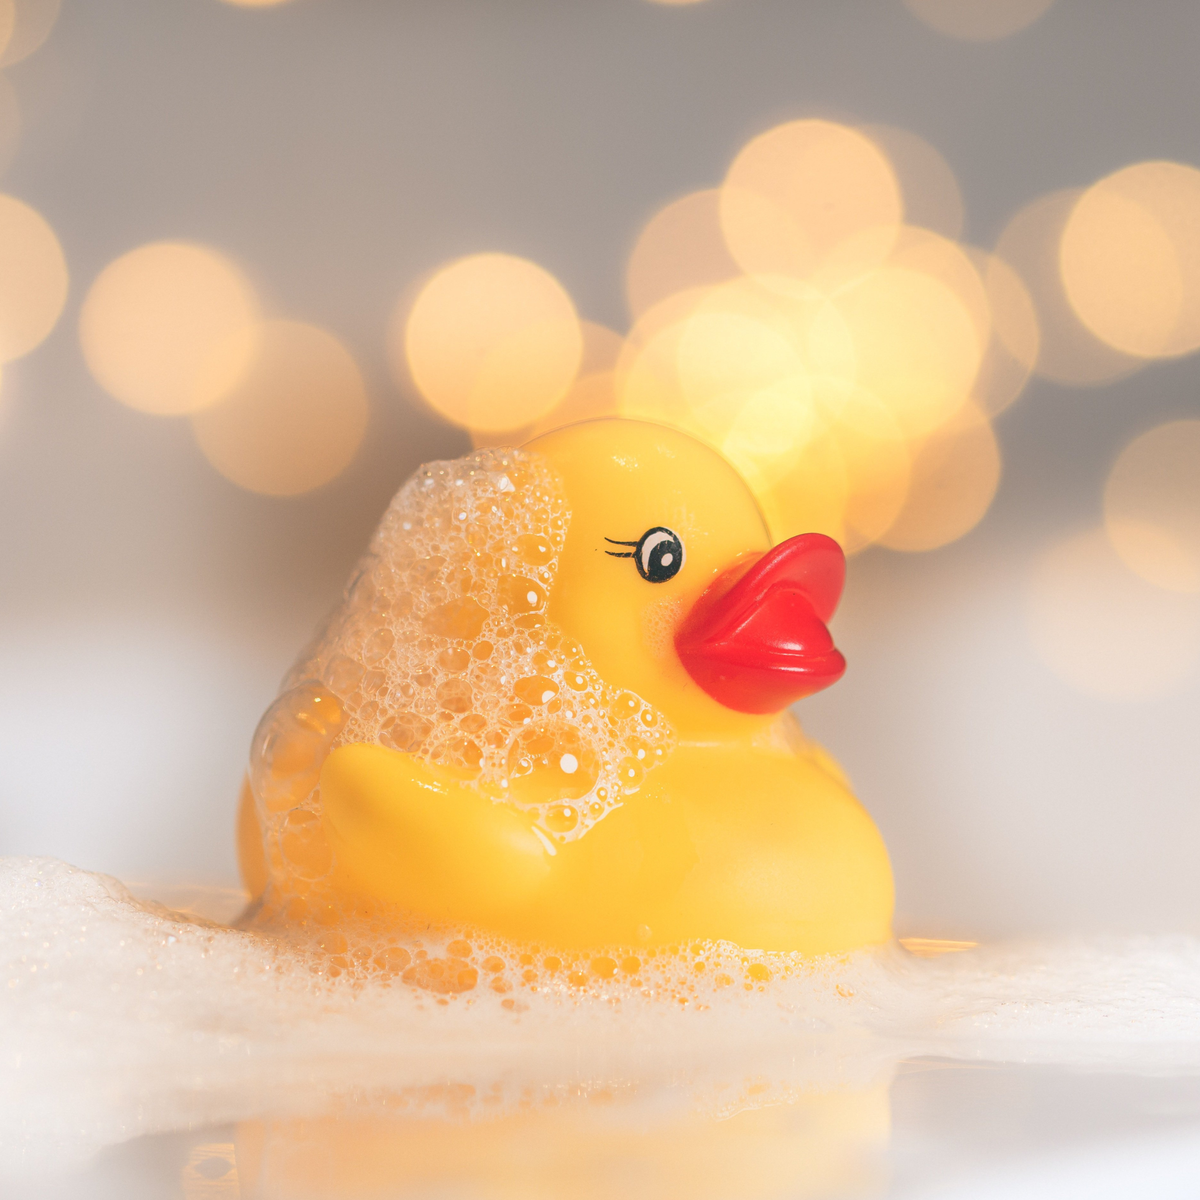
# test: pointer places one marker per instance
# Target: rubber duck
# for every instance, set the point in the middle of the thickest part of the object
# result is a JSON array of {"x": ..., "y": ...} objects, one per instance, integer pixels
[{"x": 729, "y": 824}]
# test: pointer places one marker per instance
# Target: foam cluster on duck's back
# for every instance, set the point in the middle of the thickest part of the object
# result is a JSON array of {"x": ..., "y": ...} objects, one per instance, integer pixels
[{"x": 441, "y": 648}]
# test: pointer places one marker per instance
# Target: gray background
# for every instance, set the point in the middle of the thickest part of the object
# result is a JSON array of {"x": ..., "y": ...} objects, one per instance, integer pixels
[{"x": 341, "y": 148}]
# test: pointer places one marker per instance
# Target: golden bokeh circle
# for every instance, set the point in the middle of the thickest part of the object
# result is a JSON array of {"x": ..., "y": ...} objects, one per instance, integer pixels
[
  {"x": 8, "y": 24},
  {"x": 1012, "y": 351},
  {"x": 680, "y": 247},
  {"x": 955, "y": 472},
  {"x": 169, "y": 327},
  {"x": 1152, "y": 505},
  {"x": 1105, "y": 631},
  {"x": 296, "y": 418},
  {"x": 932, "y": 197},
  {"x": 492, "y": 342},
  {"x": 32, "y": 24},
  {"x": 1068, "y": 352},
  {"x": 33, "y": 278},
  {"x": 917, "y": 345},
  {"x": 797, "y": 193},
  {"x": 1130, "y": 259},
  {"x": 978, "y": 20}
]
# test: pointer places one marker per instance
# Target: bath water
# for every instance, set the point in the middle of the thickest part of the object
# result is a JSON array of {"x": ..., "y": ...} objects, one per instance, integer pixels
[{"x": 172, "y": 1055}]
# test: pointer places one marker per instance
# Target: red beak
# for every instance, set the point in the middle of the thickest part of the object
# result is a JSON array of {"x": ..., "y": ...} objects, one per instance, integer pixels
[{"x": 756, "y": 639}]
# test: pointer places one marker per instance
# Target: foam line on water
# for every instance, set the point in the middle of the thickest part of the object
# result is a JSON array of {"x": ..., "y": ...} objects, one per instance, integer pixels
[{"x": 121, "y": 1017}]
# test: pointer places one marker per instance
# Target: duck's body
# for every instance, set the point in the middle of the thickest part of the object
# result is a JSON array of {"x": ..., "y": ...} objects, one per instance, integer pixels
[
  {"x": 735, "y": 827},
  {"x": 759, "y": 844}
]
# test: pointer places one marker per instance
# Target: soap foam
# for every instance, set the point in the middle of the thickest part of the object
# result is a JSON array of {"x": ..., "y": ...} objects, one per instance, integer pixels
[
  {"x": 121, "y": 1018},
  {"x": 441, "y": 648}
]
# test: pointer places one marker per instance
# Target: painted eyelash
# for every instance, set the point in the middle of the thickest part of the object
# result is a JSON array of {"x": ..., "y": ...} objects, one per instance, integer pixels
[{"x": 619, "y": 553}]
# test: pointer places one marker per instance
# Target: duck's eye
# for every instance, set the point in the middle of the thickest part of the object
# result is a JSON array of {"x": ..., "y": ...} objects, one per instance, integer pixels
[{"x": 658, "y": 553}]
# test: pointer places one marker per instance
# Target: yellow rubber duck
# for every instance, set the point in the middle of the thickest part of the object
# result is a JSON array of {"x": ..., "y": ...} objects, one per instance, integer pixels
[{"x": 741, "y": 829}]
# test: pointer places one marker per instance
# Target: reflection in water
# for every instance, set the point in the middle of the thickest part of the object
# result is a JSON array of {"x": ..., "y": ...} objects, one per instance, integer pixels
[{"x": 587, "y": 1143}]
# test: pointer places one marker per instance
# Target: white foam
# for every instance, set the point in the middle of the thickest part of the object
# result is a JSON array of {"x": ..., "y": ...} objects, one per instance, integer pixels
[{"x": 121, "y": 1018}]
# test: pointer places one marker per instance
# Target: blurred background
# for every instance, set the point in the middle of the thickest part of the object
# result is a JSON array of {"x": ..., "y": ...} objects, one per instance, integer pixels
[{"x": 928, "y": 271}]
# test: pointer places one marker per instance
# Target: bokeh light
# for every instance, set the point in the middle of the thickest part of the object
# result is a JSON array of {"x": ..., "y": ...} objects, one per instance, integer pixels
[
  {"x": 32, "y": 22},
  {"x": 492, "y": 342},
  {"x": 849, "y": 479},
  {"x": 10, "y": 123},
  {"x": 33, "y": 278},
  {"x": 846, "y": 360},
  {"x": 169, "y": 327},
  {"x": 8, "y": 21},
  {"x": 932, "y": 197},
  {"x": 680, "y": 247},
  {"x": 256, "y": 3},
  {"x": 850, "y": 370},
  {"x": 1068, "y": 352},
  {"x": 591, "y": 395},
  {"x": 917, "y": 346},
  {"x": 1104, "y": 630},
  {"x": 800, "y": 191},
  {"x": 296, "y": 418},
  {"x": 978, "y": 20},
  {"x": 1012, "y": 351},
  {"x": 735, "y": 364},
  {"x": 954, "y": 476},
  {"x": 1130, "y": 258},
  {"x": 1152, "y": 506}
]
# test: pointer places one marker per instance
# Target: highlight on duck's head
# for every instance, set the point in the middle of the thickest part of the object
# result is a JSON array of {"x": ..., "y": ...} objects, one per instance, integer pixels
[{"x": 668, "y": 579}]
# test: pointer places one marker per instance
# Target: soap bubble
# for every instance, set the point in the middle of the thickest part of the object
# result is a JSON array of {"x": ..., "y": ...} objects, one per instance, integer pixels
[
  {"x": 442, "y": 649},
  {"x": 170, "y": 327},
  {"x": 1152, "y": 506}
]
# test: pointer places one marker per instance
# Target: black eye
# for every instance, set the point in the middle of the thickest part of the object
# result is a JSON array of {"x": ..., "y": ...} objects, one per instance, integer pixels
[{"x": 659, "y": 555}]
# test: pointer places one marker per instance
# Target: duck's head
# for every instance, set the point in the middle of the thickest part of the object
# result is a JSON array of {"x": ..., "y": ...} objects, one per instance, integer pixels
[{"x": 669, "y": 581}]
